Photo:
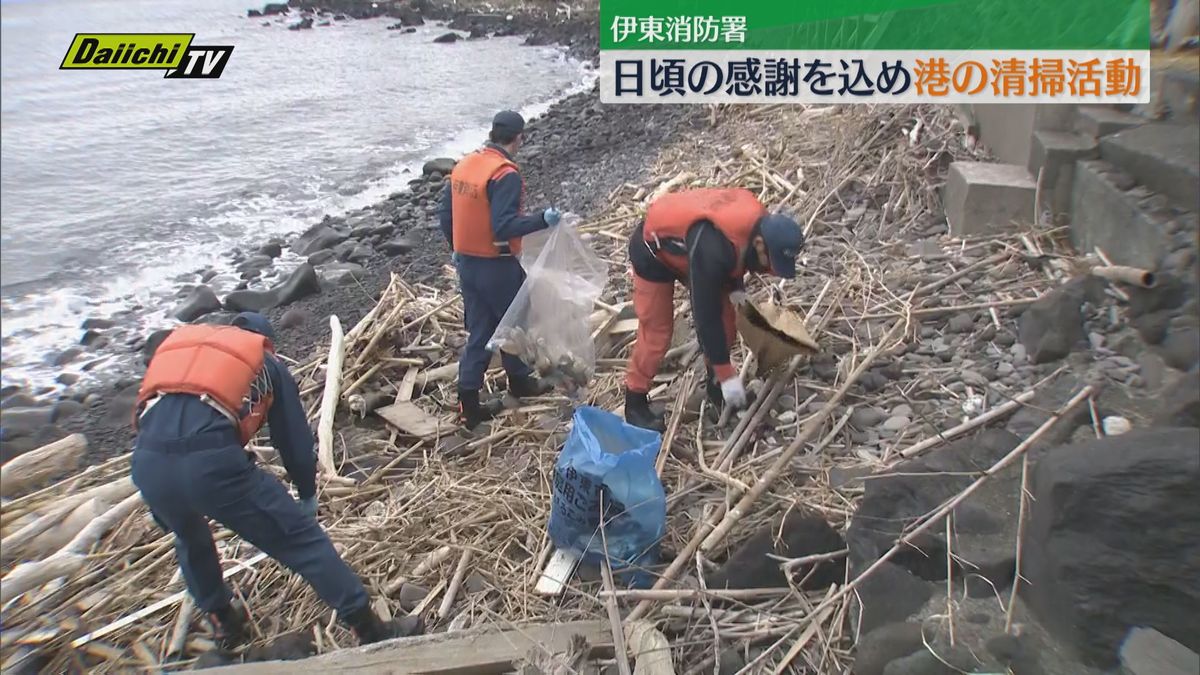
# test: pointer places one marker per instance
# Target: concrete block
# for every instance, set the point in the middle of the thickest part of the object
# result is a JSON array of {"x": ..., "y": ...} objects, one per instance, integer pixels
[
  {"x": 1113, "y": 219},
  {"x": 1007, "y": 129},
  {"x": 986, "y": 198},
  {"x": 1178, "y": 91},
  {"x": 1055, "y": 154},
  {"x": 1162, "y": 156},
  {"x": 1100, "y": 120}
]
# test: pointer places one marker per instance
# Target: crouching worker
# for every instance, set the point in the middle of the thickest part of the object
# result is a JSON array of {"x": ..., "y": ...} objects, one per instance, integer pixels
[
  {"x": 706, "y": 239},
  {"x": 206, "y": 392},
  {"x": 482, "y": 216}
]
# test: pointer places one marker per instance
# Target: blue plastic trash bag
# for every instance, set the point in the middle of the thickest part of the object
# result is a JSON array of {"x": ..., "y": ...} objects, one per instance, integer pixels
[{"x": 606, "y": 461}]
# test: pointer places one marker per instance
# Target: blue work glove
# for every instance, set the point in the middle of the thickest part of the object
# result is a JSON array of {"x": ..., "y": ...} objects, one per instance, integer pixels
[
  {"x": 309, "y": 506},
  {"x": 551, "y": 216},
  {"x": 455, "y": 258}
]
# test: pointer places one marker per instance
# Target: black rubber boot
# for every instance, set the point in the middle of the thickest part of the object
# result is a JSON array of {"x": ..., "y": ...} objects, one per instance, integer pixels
[
  {"x": 369, "y": 628},
  {"x": 229, "y": 626},
  {"x": 528, "y": 386},
  {"x": 639, "y": 414},
  {"x": 471, "y": 412}
]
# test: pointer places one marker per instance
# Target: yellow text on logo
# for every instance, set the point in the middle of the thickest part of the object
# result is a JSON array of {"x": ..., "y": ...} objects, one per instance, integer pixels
[{"x": 127, "y": 50}]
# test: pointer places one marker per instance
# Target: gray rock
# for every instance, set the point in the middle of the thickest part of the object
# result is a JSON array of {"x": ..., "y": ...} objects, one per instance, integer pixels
[
  {"x": 1179, "y": 404},
  {"x": 872, "y": 382},
  {"x": 271, "y": 249},
  {"x": 1004, "y": 369},
  {"x": 97, "y": 324},
  {"x": 323, "y": 238},
  {"x": 886, "y": 644},
  {"x": 398, "y": 246},
  {"x": 1051, "y": 326},
  {"x": 1004, "y": 339},
  {"x": 891, "y": 594},
  {"x": 66, "y": 356},
  {"x": 799, "y": 535},
  {"x": 960, "y": 323},
  {"x": 973, "y": 378},
  {"x": 902, "y": 410},
  {"x": 19, "y": 422},
  {"x": 441, "y": 166},
  {"x": 1152, "y": 327},
  {"x": 66, "y": 409},
  {"x": 896, "y": 423},
  {"x": 301, "y": 283},
  {"x": 867, "y": 417},
  {"x": 447, "y": 38},
  {"x": 1181, "y": 346},
  {"x": 840, "y": 477},
  {"x": 255, "y": 264},
  {"x": 1111, "y": 540},
  {"x": 321, "y": 257},
  {"x": 341, "y": 274},
  {"x": 199, "y": 302},
  {"x": 294, "y": 318}
]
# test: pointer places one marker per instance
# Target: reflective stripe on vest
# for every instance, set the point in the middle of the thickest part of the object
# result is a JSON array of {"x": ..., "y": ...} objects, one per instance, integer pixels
[
  {"x": 470, "y": 208},
  {"x": 733, "y": 211},
  {"x": 222, "y": 365}
]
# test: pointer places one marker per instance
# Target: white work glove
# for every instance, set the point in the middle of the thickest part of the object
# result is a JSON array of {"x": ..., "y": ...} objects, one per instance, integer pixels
[
  {"x": 738, "y": 298},
  {"x": 734, "y": 392}
]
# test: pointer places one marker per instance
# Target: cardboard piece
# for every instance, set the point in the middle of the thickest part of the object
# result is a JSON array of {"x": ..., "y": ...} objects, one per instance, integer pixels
[
  {"x": 774, "y": 335},
  {"x": 410, "y": 419}
]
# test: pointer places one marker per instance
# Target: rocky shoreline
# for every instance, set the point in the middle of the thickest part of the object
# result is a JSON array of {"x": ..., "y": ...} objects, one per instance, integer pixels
[{"x": 578, "y": 152}]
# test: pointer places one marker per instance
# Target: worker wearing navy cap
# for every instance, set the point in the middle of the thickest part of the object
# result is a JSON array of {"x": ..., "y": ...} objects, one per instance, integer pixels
[
  {"x": 482, "y": 216},
  {"x": 706, "y": 239}
]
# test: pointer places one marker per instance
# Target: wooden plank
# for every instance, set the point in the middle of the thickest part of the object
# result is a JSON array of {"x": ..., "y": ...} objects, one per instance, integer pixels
[
  {"x": 410, "y": 419},
  {"x": 1149, "y": 652},
  {"x": 623, "y": 326},
  {"x": 557, "y": 573},
  {"x": 470, "y": 652},
  {"x": 405, "y": 392}
]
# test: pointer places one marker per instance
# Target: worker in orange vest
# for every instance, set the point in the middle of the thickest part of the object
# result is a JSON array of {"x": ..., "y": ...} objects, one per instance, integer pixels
[
  {"x": 207, "y": 391},
  {"x": 482, "y": 216},
  {"x": 706, "y": 239}
]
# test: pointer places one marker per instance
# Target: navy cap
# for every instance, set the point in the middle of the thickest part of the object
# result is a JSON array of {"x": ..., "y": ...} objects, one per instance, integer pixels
[
  {"x": 254, "y": 322},
  {"x": 508, "y": 121},
  {"x": 784, "y": 239}
]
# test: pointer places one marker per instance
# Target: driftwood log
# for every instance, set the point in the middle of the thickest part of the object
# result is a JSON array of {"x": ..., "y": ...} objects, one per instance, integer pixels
[
  {"x": 58, "y": 525},
  {"x": 35, "y": 467},
  {"x": 68, "y": 559},
  {"x": 329, "y": 401}
]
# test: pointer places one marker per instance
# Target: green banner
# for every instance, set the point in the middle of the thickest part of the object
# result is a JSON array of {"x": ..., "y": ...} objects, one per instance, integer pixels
[{"x": 1092, "y": 25}]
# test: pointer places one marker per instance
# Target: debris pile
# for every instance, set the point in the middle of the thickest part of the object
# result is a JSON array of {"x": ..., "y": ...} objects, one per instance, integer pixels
[{"x": 917, "y": 336}]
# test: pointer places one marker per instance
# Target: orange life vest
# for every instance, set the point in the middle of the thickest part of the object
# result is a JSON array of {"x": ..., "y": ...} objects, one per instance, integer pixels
[
  {"x": 733, "y": 211},
  {"x": 470, "y": 208},
  {"x": 223, "y": 365}
]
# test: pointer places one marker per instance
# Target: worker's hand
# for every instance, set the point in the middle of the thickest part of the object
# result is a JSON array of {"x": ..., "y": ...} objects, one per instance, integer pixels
[
  {"x": 734, "y": 392},
  {"x": 551, "y": 216},
  {"x": 738, "y": 298},
  {"x": 309, "y": 506}
]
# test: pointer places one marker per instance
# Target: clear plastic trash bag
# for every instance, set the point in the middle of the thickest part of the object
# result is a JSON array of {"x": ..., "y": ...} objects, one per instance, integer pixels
[{"x": 547, "y": 325}]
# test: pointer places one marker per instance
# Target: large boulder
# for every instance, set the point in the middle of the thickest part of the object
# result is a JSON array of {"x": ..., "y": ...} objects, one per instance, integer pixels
[
  {"x": 1052, "y": 326},
  {"x": 342, "y": 274},
  {"x": 303, "y": 282},
  {"x": 447, "y": 37},
  {"x": 1113, "y": 540},
  {"x": 317, "y": 238},
  {"x": 440, "y": 166},
  {"x": 984, "y": 527},
  {"x": 199, "y": 302}
]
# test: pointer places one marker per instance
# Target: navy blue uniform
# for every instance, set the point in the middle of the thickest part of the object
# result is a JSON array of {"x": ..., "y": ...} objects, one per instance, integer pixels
[
  {"x": 190, "y": 465},
  {"x": 489, "y": 285}
]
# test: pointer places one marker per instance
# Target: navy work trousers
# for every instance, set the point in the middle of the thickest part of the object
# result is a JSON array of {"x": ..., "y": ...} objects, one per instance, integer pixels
[
  {"x": 488, "y": 287},
  {"x": 211, "y": 475}
]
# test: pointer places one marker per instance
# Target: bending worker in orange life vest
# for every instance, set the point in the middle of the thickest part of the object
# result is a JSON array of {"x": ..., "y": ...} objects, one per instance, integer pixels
[
  {"x": 206, "y": 393},
  {"x": 706, "y": 239},
  {"x": 482, "y": 217}
]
